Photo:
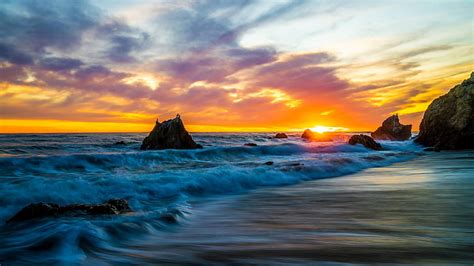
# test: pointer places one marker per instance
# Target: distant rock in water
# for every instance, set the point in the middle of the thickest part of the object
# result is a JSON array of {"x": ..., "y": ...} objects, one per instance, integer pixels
[
  {"x": 391, "y": 129},
  {"x": 367, "y": 141},
  {"x": 170, "y": 134},
  {"x": 308, "y": 134},
  {"x": 448, "y": 123},
  {"x": 311, "y": 136},
  {"x": 43, "y": 210},
  {"x": 250, "y": 144},
  {"x": 281, "y": 136},
  {"x": 120, "y": 143}
]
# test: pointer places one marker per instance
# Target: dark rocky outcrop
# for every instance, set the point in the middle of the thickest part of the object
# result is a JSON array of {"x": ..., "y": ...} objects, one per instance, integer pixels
[
  {"x": 391, "y": 129},
  {"x": 311, "y": 136},
  {"x": 367, "y": 141},
  {"x": 269, "y": 163},
  {"x": 170, "y": 134},
  {"x": 281, "y": 136},
  {"x": 308, "y": 134},
  {"x": 43, "y": 210},
  {"x": 448, "y": 123},
  {"x": 250, "y": 144}
]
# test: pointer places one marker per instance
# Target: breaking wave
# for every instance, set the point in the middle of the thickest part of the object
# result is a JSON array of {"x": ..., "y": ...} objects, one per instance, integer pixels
[{"x": 157, "y": 184}]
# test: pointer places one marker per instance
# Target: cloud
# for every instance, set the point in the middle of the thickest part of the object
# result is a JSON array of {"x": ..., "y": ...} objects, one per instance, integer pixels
[
  {"x": 303, "y": 74},
  {"x": 14, "y": 56},
  {"x": 35, "y": 26},
  {"x": 59, "y": 64},
  {"x": 214, "y": 66}
]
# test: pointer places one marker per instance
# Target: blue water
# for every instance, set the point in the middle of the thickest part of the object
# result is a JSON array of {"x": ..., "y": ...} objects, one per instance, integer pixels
[{"x": 184, "y": 184}]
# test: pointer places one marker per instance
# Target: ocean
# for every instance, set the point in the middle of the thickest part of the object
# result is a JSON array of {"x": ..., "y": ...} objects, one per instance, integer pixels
[{"x": 326, "y": 202}]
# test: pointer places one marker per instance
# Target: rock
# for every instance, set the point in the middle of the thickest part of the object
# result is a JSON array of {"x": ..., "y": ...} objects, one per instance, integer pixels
[
  {"x": 367, "y": 141},
  {"x": 296, "y": 164},
  {"x": 35, "y": 211},
  {"x": 311, "y": 136},
  {"x": 120, "y": 143},
  {"x": 250, "y": 144},
  {"x": 308, "y": 134},
  {"x": 448, "y": 123},
  {"x": 281, "y": 136},
  {"x": 170, "y": 134},
  {"x": 43, "y": 210},
  {"x": 269, "y": 163},
  {"x": 391, "y": 129}
]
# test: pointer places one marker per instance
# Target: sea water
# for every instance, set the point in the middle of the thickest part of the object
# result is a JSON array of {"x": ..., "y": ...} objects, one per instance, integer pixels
[{"x": 182, "y": 200}]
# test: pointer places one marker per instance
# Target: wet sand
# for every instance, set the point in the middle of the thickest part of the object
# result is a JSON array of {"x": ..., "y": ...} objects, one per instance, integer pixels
[{"x": 419, "y": 211}]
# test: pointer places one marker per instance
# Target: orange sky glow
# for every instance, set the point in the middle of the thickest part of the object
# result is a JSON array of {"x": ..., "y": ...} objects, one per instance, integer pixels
[{"x": 263, "y": 67}]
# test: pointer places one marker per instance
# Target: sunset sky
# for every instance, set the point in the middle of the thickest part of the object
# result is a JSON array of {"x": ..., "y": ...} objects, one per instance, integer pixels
[{"x": 114, "y": 65}]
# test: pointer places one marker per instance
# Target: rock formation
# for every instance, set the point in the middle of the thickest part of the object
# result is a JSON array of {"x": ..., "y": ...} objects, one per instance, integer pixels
[
  {"x": 448, "y": 123},
  {"x": 367, "y": 141},
  {"x": 391, "y": 129},
  {"x": 308, "y": 134},
  {"x": 281, "y": 136},
  {"x": 170, "y": 134},
  {"x": 250, "y": 144},
  {"x": 311, "y": 136},
  {"x": 43, "y": 210}
]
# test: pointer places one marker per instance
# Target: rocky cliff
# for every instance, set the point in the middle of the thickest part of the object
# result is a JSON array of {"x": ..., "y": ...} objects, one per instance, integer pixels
[{"x": 448, "y": 123}]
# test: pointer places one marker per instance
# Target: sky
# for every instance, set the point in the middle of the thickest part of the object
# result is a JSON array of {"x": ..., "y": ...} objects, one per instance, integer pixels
[{"x": 237, "y": 65}]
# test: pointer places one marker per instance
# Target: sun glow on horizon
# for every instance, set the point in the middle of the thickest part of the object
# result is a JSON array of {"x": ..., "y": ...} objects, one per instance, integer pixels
[{"x": 323, "y": 129}]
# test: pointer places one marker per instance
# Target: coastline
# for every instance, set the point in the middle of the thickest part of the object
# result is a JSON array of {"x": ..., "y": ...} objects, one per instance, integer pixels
[
  {"x": 304, "y": 206},
  {"x": 417, "y": 211}
]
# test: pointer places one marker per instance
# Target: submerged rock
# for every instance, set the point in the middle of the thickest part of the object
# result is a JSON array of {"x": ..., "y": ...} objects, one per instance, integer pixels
[
  {"x": 120, "y": 143},
  {"x": 448, "y": 123},
  {"x": 269, "y": 163},
  {"x": 392, "y": 129},
  {"x": 281, "y": 136},
  {"x": 250, "y": 144},
  {"x": 170, "y": 134},
  {"x": 43, "y": 210},
  {"x": 367, "y": 141}
]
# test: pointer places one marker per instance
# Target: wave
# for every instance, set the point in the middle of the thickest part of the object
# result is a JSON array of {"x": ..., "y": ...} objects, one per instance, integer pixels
[
  {"x": 106, "y": 161},
  {"x": 142, "y": 177},
  {"x": 158, "y": 186}
]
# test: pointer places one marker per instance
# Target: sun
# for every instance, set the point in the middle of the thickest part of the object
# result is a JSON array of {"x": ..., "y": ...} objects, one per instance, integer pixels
[
  {"x": 323, "y": 129},
  {"x": 320, "y": 129}
]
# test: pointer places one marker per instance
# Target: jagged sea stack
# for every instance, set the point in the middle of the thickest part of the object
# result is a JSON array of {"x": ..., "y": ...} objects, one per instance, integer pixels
[
  {"x": 448, "y": 123},
  {"x": 170, "y": 134},
  {"x": 391, "y": 129}
]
